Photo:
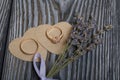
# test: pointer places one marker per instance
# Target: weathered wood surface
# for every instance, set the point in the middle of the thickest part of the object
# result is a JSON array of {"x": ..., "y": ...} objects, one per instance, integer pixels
[
  {"x": 101, "y": 64},
  {"x": 4, "y": 26}
]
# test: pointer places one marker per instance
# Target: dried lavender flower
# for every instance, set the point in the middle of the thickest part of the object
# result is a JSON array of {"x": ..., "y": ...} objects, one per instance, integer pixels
[{"x": 107, "y": 28}]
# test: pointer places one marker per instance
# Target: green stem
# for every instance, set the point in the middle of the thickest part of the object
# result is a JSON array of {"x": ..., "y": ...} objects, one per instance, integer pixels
[
  {"x": 54, "y": 66},
  {"x": 63, "y": 65},
  {"x": 58, "y": 61}
]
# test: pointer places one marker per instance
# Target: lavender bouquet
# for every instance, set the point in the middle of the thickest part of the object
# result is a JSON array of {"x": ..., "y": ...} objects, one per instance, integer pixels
[{"x": 83, "y": 38}]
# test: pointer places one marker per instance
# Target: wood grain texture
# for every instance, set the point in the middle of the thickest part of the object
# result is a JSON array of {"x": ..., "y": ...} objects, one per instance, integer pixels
[
  {"x": 101, "y": 64},
  {"x": 4, "y": 26}
]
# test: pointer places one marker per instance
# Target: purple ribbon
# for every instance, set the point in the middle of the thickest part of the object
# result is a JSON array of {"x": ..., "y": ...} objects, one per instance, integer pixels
[{"x": 42, "y": 72}]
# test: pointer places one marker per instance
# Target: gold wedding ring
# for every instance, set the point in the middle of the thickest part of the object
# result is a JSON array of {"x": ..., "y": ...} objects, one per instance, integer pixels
[
  {"x": 29, "y": 46},
  {"x": 54, "y": 39}
]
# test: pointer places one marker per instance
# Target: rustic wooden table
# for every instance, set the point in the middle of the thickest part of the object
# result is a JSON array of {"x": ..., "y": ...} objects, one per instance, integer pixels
[{"x": 16, "y": 16}]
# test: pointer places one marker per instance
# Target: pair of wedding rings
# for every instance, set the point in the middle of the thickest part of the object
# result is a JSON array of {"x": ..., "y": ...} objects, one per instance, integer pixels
[{"x": 25, "y": 45}]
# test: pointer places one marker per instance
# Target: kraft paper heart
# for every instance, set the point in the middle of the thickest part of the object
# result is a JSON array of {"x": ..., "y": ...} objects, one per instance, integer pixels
[
  {"x": 25, "y": 48},
  {"x": 54, "y": 38}
]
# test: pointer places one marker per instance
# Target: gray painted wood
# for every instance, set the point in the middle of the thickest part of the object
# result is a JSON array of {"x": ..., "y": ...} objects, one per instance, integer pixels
[
  {"x": 101, "y": 64},
  {"x": 4, "y": 26}
]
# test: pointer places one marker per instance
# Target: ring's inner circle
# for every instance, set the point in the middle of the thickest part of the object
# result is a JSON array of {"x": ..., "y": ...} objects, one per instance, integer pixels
[
  {"x": 54, "y": 32},
  {"x": 29, "y": 46}
]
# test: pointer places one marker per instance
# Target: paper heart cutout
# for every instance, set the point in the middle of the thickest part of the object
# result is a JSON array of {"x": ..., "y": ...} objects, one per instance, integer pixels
[
  {"x": 56, "y": 48},
  {"x": 24, "y": 48}
]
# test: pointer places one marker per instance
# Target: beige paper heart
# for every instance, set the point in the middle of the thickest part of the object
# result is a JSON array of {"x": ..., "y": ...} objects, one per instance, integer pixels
[
  {"x": 25, "y": 48},
  {"x": 60, "y": 29}
]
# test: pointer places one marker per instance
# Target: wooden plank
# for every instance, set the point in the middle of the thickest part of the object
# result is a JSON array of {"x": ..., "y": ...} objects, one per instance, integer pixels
[
  {"x": 117, "y": 30},
  {"x": 5, "y": 6},
  {"x": 100, "y": 64}
]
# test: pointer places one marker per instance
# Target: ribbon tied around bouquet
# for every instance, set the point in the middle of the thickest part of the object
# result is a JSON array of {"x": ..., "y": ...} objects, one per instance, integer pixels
[{"x": 42, "y": 71}]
